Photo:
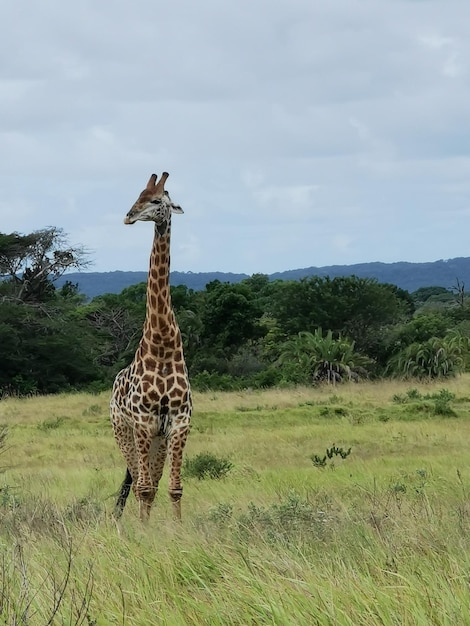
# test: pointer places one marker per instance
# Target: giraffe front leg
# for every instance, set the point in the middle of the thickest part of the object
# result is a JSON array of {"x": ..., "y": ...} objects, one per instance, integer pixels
[
  {"x": 176, "y": 445},
  {"x": 157, "y": 458}
]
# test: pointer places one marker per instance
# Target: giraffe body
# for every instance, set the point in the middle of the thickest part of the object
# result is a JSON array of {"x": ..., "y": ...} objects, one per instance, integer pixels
[{"x": 151, "y": 400}]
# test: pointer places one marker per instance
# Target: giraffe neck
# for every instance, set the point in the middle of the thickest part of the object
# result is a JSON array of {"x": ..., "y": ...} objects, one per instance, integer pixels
[{"x": 161, "y": 335}]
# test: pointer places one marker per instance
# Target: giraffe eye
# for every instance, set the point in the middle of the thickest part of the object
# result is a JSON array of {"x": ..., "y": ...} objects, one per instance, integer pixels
[{"x": 155, "y": 201}]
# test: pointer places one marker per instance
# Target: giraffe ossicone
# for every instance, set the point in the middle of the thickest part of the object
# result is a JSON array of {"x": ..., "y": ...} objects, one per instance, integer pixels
[{"x": 151, "y": 401}]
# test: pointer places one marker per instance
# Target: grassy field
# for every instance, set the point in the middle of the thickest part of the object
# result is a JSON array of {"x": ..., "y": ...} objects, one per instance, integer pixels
[{"x": 378, "y": 537}]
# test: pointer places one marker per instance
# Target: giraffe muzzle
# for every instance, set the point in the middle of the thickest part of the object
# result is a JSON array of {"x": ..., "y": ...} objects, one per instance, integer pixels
[{"x": 128, "y": 219}]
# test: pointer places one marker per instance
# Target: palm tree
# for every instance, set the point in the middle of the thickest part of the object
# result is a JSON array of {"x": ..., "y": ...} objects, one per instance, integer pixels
[
  {"x": 435, "y": 358},
  {"x": 324, "y": 358}
]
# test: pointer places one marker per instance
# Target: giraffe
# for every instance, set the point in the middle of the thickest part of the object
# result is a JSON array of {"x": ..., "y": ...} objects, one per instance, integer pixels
[{"x": 151, "y": 400}]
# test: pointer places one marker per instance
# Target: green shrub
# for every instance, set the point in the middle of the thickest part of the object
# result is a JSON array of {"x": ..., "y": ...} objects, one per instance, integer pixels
[
  {"x": 438, "y": 357},
  {"x": 334, "y": 451},
  {"x": 206, "y": 465},
  {"x": 437, "y": 403},
  {"x": 442, "y": 401},
  {"x": 213, "y": 381},
  {"x": 51, "y": 424},
  {"x": 221, "y": 514},
  {"x": 269, "y": 377},
  {"x": 292, "y": 519},
  {"x": 8, "y": 499},
  {"x": 311, "y": 357}
]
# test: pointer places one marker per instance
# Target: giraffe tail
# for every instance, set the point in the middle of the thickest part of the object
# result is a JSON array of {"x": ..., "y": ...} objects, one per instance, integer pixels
[{"x": 123, "y": 493}]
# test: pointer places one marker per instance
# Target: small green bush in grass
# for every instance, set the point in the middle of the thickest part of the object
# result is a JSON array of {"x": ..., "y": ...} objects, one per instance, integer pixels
[
  {"x": 206, "y": 465},
  {"x": 292, "y": 519},
  {"x": 334, "y": 451},
  {"x": 441, "y": 399},
  {"x": 8, "y": 500},
  {"x": 52, "y": 423}
]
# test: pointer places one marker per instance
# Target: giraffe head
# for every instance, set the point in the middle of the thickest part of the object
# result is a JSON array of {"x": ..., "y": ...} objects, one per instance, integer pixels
[{"x": 153, "y": 205}]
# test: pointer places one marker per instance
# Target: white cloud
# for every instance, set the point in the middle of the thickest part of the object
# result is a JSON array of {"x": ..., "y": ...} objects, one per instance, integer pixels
[
  {"x": 448, "y": 54},
  {"x": 288, "y": 201},
  {"x": 342, "y": 242}
]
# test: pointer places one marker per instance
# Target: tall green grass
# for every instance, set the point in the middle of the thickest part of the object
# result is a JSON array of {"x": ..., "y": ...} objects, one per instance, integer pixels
[{"x": 379, "y": 537}]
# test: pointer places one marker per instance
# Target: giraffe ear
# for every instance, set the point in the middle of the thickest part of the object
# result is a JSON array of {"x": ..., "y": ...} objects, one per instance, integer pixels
[
  {"x": 175, "y": 208},
  {"x": 152, "y": 181}
]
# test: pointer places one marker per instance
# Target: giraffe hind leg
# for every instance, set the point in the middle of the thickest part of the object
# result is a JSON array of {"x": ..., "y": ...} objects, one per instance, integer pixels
[
  {"x": 157, "y": 458},
  {"x": 124, "y": 436}
]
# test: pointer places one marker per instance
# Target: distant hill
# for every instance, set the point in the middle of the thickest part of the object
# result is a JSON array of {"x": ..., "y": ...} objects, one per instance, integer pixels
[
  {"x": 96, "y": 283},
  {"x": 409, "y": 276}
]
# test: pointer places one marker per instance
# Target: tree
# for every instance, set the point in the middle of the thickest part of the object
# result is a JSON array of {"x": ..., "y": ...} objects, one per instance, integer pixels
[
  {"x": 117, "y": 320},
  {"x": 417, "y": 330},
  {"x": 355, "y": 307},
  {"x": 31, "y": 263},
  {"x": 459, "y": 292},
  {"x": 230, "y": 316},
  {"x": 45, "y": 349},
  {"x": 431, "y": 294},
  {"x": 44, "y": 345},
  {"x": 182, "y": 298}
]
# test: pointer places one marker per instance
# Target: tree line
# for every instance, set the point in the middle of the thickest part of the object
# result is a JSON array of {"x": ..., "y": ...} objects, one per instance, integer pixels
[{"x": 256, "y": 333}]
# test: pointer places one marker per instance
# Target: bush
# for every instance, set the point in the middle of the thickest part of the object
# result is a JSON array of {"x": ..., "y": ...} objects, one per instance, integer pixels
[
  {"x": 334, "y": 451},
  {"x": 51, "y": 424},
  {"x": 441, "y": 399},
  {"x": 312, "y": 357},
  {"x": 292, "y": 519},
  {"x": 269, "y": 377},
  {"x": 206, "y": 465},
  {"x": 435, "y": 358},
  {"x": 212, "y": 381}
]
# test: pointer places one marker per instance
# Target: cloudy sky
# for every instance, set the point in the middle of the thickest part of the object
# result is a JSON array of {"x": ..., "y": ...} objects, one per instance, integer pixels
[{"x": 296, "y": 132}]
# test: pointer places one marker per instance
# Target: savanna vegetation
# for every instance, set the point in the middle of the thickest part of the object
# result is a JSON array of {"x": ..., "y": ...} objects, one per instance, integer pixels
[
  {"x": 326, "y": 476},
  {"x": 254, "y": 334},
  {"x": 317, "y": 505}
]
